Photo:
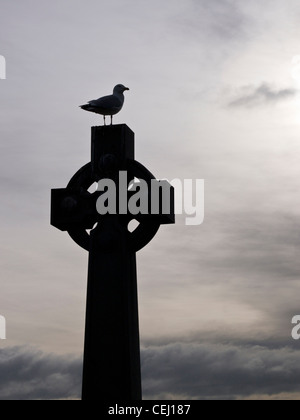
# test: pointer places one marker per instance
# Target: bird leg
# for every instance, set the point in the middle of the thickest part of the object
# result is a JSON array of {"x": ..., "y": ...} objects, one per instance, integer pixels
[
  {"x": 104, "y": 119},
  {"x": 111, "y": 120}
]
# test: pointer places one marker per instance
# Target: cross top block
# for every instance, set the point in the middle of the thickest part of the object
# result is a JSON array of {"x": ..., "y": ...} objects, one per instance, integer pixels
[{"x": 74, "y": 209}]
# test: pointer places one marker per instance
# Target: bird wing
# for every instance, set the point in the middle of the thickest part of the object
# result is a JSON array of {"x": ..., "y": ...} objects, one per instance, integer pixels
[{"x": 108, "y": 102}]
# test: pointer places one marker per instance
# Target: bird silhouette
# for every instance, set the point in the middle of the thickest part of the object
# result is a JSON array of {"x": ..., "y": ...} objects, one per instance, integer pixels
[{"x": 107, "y": 105}]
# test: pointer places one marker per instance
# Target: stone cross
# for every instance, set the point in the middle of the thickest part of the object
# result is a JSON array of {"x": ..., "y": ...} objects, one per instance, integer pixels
[{"x": 111, "y": 369}]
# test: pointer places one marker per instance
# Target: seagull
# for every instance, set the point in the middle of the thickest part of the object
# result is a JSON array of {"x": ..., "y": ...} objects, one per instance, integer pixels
[{"x": 107, "y": 105}]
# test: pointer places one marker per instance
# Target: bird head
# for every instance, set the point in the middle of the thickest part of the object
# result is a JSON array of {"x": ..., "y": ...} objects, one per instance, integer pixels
[{"x": 120, "y": 89}]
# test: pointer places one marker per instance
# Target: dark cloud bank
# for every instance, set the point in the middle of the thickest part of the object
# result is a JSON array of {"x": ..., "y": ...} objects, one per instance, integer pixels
[
  {"x": 28, "y": 374},
  {"x": 177, "y": 370}
]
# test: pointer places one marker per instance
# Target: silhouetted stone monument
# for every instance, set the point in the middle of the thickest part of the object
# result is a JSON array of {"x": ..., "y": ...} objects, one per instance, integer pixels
[{"x": 111, "y": 369}]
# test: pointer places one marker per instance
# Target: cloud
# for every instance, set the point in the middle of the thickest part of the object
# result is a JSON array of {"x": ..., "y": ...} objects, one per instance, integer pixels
[
  {"x": 29, "y": 374},
  {"x": 219, "y": 371},
  {"x": 250, "y": 96},
  {"x": 292, "y": 396},
  {"x": 225, "y": 17},
  {"x": 198, "y": 369},
  {"x": 218, "y": 20}
]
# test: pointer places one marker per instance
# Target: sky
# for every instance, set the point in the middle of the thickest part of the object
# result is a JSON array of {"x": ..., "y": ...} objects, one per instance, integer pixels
[{"x": 214, "y": 95}]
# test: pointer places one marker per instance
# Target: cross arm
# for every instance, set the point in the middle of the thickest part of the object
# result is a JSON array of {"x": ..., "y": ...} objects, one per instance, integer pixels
[{"x": 73, "y": 209}]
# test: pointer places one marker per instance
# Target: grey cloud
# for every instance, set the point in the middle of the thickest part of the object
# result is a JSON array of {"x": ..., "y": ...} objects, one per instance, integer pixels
[
  {"x": 28, "y": 374},
  {"x": 228, "y": 369},
  {"x": 226, "y": 18},
  {"x": 249, "y": 244},
  {"x": 250, "y": 96},
  {"x": 219, "y": 371},
  {"x": 260, "y": 251},
  {"x": 221, "y": 20},
  {"x": 252, "y": 261},
  {"x": 261, "y": 241}
]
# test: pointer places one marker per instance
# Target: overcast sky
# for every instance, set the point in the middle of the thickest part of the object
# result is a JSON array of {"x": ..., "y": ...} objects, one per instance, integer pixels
[{"x": 215, "y": 95}]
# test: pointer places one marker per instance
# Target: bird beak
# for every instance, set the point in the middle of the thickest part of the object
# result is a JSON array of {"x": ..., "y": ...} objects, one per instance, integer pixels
[{"x": 127, "y": 89}]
